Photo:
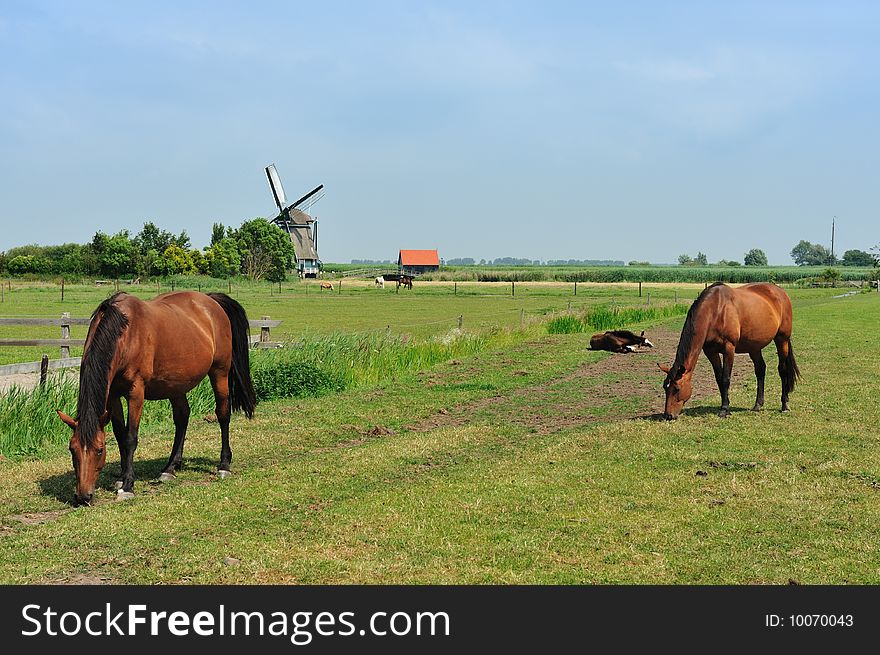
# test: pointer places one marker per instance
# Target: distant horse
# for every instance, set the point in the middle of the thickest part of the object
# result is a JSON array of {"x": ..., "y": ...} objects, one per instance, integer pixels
[
  {"x": 619, "y": 341},
  {"x": 405, "y": 281},
  {"x": 327, "y": 285},
  {"x": 154, "y": 350},
  {"x": 380, "y": 282},
  {"x": 724, "y": 321}
]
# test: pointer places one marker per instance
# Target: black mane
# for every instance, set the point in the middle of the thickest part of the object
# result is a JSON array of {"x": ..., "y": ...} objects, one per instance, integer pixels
[
  {"x": 687, "y": 332},
  {"x": 95, "y": 367}
]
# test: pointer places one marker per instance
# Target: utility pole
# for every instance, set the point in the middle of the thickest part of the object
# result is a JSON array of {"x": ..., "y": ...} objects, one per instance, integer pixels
[{"x": 833, "y": 219}]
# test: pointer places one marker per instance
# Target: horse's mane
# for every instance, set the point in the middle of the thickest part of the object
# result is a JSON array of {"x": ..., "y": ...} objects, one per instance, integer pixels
[
  {"x": 95, "y": 367},
  {"x": 687, "y": 332}
]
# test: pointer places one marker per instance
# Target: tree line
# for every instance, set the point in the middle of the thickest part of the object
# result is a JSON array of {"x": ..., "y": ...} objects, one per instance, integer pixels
[{"x": 257, "y": 249}]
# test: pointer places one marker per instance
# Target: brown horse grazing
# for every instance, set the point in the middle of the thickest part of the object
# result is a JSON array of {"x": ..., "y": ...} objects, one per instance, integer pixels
[
  {"x": 619, "y": 341},
  {"x": 155, "y": 350},
  {"x": 405, "y": 281},
  {"x": 724, "y": 321}
]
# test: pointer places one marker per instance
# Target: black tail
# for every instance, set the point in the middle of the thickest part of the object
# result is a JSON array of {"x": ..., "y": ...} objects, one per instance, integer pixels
[
  {"x": 792, "y": 373},
  {"x": 241, "y": 389}
]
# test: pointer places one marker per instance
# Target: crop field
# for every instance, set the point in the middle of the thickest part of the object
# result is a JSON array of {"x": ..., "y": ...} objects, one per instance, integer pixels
[{"x": 513, "y": 456}]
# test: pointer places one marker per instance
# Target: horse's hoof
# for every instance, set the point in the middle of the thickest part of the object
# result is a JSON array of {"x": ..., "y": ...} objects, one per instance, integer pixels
[
  {"x": 223, "y": 473},
  {"x": 785, "y": 410},
  {"x": 124, "y": 495},
  {"x": 724, "y": 413},
  {"x": 117, "y": 485},
  {"x": 757, "y": 408},
  {"x": 165, "y": 476}
]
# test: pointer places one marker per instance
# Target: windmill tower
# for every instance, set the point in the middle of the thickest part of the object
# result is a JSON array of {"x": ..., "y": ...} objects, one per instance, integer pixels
[{"x": 295, "y": 220}]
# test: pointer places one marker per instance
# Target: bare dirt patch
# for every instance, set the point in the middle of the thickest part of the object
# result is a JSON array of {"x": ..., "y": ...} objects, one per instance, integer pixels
[
  {"x": 37, "y": 518},
  {"x": 620, "y": 386},
  {"x": 84, "y": 579}
]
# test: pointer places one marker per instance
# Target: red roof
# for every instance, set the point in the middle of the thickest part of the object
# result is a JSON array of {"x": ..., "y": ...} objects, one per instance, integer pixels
[{"x": 419, "y": 258}]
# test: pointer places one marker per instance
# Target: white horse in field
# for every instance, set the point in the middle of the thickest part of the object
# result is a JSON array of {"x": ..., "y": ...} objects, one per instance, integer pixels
[{"x": 380, "y": 282}]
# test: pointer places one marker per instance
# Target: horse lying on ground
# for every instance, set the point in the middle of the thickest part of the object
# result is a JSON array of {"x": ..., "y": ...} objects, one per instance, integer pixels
[
  {"x": 327, "y": 285},
  {"x": 724, "y": 321},
  {"x": 380, "y": 282},
  {"x": 155, "y": 350},
  {"x": 619, "y": 341}
]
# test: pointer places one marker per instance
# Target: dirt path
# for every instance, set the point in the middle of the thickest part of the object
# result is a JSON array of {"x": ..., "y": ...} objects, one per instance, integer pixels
[{"x": 618, "y": 387}]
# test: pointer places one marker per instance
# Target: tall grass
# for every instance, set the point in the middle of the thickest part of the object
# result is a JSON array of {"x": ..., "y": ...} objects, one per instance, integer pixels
[
  {"x": 317, "y": 366},
  {"x": 611, "y": 318}
]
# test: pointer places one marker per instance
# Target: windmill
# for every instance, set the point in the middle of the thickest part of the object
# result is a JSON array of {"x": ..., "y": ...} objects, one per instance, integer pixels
[{"x": 295, "y": 220}]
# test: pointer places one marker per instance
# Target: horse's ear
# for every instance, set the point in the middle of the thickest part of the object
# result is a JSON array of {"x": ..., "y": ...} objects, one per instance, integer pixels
[
  {"x": 642, "y": 334},
  {"x": 665, "y": 369},
  {"x": 105, "y": 419},
  {"x": 67, "y": 420}
]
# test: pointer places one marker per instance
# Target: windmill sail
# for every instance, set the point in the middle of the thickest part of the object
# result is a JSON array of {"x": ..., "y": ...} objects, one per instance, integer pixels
[{"x": 277, "y": 189}]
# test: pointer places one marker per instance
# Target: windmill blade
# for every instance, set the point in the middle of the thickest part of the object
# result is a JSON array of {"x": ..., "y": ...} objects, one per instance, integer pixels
[
  {"x": 309, "y": 199},
  {"x": 275, "y": 185}
]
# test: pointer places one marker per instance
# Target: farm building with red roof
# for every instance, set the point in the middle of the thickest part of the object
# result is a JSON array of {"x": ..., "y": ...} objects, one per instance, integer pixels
[{"x": 414, "y": 262}]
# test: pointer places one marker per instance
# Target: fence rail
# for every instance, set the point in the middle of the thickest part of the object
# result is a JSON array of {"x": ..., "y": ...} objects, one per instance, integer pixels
[{"x": 263, "y": 340}]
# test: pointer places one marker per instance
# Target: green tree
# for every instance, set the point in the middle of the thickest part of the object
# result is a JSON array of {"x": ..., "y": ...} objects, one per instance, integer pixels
[
  {"x": 218, "y": 233},
  {"x": 857, "y": 258},
  {"x": 222, "y": 258},
  {"x": 266, "y": 250},
  {"x": 21, "y": 264},
  {"x": 114, "y": 255},
  {"x": 810, "y": 254},
  {"x": 755, "y": 257},
  {"x": 685, "y": 260}
]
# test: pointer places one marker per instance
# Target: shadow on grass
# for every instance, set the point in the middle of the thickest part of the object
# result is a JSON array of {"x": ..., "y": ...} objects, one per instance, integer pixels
[
  {"x": 61, "y": 486},
  {"x": 693, "y": 411}
]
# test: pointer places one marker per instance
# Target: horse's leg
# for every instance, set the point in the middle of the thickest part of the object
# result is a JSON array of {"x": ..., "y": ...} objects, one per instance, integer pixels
[
  {"x": 135, "y": 409},
  {"x": 782, "y": 346},
  {"x": 726, "y": 370},
  {"x": 220, "y": 383},
  {"x": 760, "y": 371},
  {"x": 180, "y": 412},
  {"x": 114, "y": 404},
  {"x": 715, "y": 360}
]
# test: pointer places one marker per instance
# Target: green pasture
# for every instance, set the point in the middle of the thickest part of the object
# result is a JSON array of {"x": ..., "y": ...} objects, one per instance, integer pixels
[
  {"x": 430, "y": 308},
  {"x": 531, "y": 460}
]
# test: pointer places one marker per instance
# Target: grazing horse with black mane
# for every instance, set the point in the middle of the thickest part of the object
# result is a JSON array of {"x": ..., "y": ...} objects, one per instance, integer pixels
[
  {"x": 724, "y": 321},
  {"x": 619, "y": 341},
  {"x": 155, "y": 350}
]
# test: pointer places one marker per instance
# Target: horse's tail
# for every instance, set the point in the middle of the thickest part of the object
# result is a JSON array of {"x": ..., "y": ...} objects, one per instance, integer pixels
[
  {"x": 241, "y": 388},
  {"x": 791, "y": 373}
]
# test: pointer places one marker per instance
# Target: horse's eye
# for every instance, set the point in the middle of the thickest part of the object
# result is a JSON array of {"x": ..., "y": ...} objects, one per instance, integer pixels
[{"x": 99, "y": 451}]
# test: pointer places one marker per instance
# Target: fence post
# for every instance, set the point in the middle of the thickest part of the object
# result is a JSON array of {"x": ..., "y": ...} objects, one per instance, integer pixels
[
  {"x": 460, "y": 320},
  {"x": 44, "y": 369},
  {"x": 65, "y": 334},
  {"x": 62, "y": 289},
  {"x": 340, "y": 287},
  {"x": 264, "y": 331},
  {"x": 455, "y": 288},
  {"x": 512, "y": 288},
  {"x": 575, "y": 287},
  {"x": 640, "y": 289}
]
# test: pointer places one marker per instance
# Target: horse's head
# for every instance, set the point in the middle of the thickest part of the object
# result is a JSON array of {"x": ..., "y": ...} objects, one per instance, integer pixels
[
  {"x": 89, "y": 456},
  {"x": 678, "y": 389}
]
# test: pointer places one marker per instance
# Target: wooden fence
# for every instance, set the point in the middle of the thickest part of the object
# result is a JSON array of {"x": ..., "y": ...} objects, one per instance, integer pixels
[{"x": 263, "y": 340}]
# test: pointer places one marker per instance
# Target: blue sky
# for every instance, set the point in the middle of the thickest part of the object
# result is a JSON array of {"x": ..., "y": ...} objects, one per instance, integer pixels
[{"x": 548, "y": 130}]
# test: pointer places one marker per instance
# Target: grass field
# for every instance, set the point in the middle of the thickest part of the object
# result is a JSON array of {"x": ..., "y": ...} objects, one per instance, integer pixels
[
  {"x": 531, "y": 462},
  {"x": 430, "y": 308}
]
